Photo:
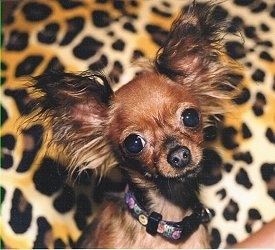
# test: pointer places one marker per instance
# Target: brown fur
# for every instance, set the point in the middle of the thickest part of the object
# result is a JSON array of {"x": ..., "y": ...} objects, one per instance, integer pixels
[
  {"x": 114, "y": 227},
  {"x": 96, "y": 128}
]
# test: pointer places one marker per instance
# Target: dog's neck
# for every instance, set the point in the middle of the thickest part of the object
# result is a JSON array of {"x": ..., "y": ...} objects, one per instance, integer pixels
[
  {"x": 154, "y": 201},
  {"x": 174, "y": 199},
  {"x": 181, "y": 224}
]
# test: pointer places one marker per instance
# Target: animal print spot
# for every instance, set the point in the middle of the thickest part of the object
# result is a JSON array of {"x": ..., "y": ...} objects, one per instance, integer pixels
[
  {"x": 101, "y": 18},
  {"x": 228, "y": 135},
  {"x": 87, "y": 48},
  {"x": 55, "y": 65},
  {"x": 243, "y": 2},
  {"x": 116, "y": 71},
  {"x": 35, "y": 11},
  {"x": 258, "y": 75},
  {"x": 32, "y": 143},
  {"x": 7, "y": 161},
  {"x": 111, "y": 33},
  {"x": 215, "y": 238},
  {"x": 245, "y": 157},
  {"x": 270, "y": 135},
  {"x": 220, "y": 13},
  {"x": 21, "y": 99},
  {"x": 135, "y": 3},
  {"x": 272, "y": 12},
  {"x": 253, "y": 215},
  {"x": 268, "y": 44},
  {"x": 210, "y": 133},
  {"x": 4, "y": 115},
  {"x": 242, "y": 178},
  {"x": 265, "y": 27},
  {"x": 3, "y": 79},
  {"x": 8, "y": 141},
  {"x": 129, "y": 27},
  {"x": 49, "y": 34},
  {"x": 119, "y": 5},
  {"x": 258, "y": 106},
  {"x": 44, "y": 235},
  {"x": 83, "y": 210},
  {"x": 231, "y": 211},
  {"x": 21, "y": 213},
  {"x": 70, "y": 4},
  {"x": 50, "y": 177},
  {"x": 158, "y": 34},
  {"x": 266, "y": 56},
  {"x": 261, "y": 7},
  {"x": 230, "y": 239},
  {"x": 137, "y": 54},
  {"x": 236, "y": 24},
  {"x": 118, "y": 45},
  {"x": 235, "y": 49},
  {"x": 243, "y": 97},
  {"x": 212, "y": 167},
  {"x": 17, "y": 41},
  {"x": 9, "y": 19},
  {"x": 59, "y": 244},
  {"x": 268, "y": 175},
  {"x": 3, "y": 66},
  {"x": 159, "y": 12},
  {"x": 228, "y": 167},
  {"x": 250, "y": 32},
  {"x": 221, "y": 193},
  {"x": 75, "y": 26},
  {"x": 100, "y": 64},
  {"x": 3, "y": 194},
  {"x": 65, "y": 201},
  {"x": 246, "y": 131},
  {"x": 28, "y": 65}
]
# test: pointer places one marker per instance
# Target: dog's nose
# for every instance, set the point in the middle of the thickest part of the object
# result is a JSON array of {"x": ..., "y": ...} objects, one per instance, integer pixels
[{"x": 179, "y": 157}]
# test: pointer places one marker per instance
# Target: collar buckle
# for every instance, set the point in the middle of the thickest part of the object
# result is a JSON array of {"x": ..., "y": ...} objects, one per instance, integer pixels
[{"x": 153, "y": 221}]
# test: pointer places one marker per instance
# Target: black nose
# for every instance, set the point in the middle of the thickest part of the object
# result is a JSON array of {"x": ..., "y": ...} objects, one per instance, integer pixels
[{"x": 179, "y": 157}]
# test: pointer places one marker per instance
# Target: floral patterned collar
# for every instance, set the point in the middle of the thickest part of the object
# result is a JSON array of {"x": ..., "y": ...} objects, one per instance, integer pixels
[{"x": 171, "y": 230}]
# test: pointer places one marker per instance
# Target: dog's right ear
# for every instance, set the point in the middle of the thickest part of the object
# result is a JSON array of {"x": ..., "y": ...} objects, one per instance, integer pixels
[{"x": 76, "y": 107}]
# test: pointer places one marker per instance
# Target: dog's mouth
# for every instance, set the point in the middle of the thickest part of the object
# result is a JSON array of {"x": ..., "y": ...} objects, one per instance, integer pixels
[
  {"x": 180, "y": 176},
  {"x": 181, "y": 189}
]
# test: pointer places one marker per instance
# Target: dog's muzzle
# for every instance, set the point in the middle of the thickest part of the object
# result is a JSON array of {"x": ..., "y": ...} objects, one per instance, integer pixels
[{"x": 179, "y": 157}]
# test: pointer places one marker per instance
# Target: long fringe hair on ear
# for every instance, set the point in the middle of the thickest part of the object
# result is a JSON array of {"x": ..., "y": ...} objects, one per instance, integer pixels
[
  {"x": 193, "y": 55},
  {"x": 74, "y": 107}
]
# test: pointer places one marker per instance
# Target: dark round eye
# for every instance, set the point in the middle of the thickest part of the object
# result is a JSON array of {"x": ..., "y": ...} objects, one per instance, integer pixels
[
  {"x": 134, "y": 144},
  {"x": 190, "y": 118}
]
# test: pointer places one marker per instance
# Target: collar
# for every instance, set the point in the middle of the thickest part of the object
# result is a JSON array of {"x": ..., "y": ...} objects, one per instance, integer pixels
[{"x": 171, "y": 230}]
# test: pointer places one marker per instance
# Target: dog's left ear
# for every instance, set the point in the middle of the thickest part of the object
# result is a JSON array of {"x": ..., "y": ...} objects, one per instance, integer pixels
[
  {"x": 193, "y": 56},
  {"x": 76, "y": 108}
]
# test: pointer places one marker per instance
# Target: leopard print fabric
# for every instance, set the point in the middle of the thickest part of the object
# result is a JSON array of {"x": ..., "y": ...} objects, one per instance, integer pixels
[{"x": 42, "y": 205}]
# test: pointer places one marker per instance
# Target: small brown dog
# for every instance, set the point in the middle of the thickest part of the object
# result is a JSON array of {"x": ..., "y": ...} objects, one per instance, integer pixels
[{"x": 152, "y": 128}]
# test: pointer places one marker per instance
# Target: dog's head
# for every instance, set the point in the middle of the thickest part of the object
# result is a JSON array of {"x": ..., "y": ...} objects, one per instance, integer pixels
[
  {"x": 156, "y": 126},
  {"x": 153, "y": 124}
]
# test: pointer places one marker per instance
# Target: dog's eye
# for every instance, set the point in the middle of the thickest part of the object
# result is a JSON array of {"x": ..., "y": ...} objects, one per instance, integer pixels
[
  {"x": 134, "y": 144},
  {"x": 190, "y": 118}
]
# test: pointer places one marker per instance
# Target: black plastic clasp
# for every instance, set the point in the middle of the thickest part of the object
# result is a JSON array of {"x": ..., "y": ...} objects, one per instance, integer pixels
[{"x": 153, "y": 222}]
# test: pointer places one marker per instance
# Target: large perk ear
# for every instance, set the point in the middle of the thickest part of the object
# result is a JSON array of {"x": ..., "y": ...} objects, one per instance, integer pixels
[
  {"x": 76, "y": 108},
  {"x": 193, "y": 56}
]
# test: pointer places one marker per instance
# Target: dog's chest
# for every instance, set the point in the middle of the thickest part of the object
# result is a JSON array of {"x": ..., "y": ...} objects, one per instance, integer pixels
[
  {"x": 121, "y": 230},
  {"x": 141, "y": 239}
]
